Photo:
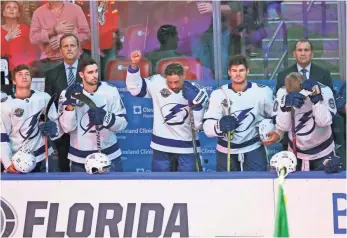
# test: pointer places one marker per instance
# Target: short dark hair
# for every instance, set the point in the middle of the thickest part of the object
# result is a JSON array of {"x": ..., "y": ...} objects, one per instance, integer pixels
[
  {"x": 238, "y": 60},
  {"x": 20, "y": 68},
  {"x": 303, "y": 41},
  {"x": 165, "y": 32},
  {"x": 174, "y": 69},
  {"x": 84, "y": 63},
  {"x": 69, "y": 35}
]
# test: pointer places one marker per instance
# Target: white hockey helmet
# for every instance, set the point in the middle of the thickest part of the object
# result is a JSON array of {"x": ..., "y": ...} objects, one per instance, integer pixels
[
  {"x": 97, "y": 163},
  {"x": 23, "y": 162},
  {"x": 285, "y": 159},
  {"x": 265, "y": 126}
]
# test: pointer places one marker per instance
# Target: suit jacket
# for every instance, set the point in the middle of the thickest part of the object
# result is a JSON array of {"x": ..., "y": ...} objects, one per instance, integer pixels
[
  {"x": 316, "y": 73},
  {"x": 56, "y": 81}
]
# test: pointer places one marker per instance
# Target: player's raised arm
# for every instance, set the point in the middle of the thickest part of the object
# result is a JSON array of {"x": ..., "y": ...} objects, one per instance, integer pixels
[{"x": 136, "y": 85}]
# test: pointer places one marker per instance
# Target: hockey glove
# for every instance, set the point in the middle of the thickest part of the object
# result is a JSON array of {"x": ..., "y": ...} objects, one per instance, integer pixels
[
  {"x": 73, "y": 89},
  {"x": 49, "y": 129},
  {"x": 309, "y": 85},
  {"x": 227, "y": 123},
  {"x": 194, "y": 95},
  {"x": 292, "y": 100},
  {"x": 96, "y": 115},
  {"x": 332, "y": 164}
]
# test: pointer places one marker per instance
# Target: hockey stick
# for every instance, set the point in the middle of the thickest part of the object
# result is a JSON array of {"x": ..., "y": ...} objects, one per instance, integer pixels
[
  {"x": 199, "y": 167},
  {"x": 229, "y": 133},
  {"x": 48, "y": 107},
  {"x": 86, "y": 100}
]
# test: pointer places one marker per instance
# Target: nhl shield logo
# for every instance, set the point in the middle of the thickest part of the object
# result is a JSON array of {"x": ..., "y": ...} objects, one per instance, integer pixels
[
  {"x": 165, "y": 92},
  {"x": 19, "y": 112}
]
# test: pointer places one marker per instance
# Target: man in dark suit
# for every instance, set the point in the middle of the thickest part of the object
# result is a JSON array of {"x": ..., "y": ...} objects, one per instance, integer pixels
[
  {"x": 59, "y": 78},
  {"x": 303, "y": 54}
]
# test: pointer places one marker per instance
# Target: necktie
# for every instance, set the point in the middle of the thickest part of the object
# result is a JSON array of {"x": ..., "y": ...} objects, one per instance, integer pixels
[
  {"x": 304, "y": 71},
  {"x": 71, "y": 78}
]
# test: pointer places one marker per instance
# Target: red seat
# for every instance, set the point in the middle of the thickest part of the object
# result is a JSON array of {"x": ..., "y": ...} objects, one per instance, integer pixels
[
  {"x": 117, "y": 69},
  {"x": 135, "y": 38},
  {"x": 192, "y": 67}
]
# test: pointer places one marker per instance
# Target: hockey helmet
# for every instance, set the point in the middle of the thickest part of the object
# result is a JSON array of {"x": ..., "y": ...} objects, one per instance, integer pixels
[
  {"x": 23, "y": 161},
  {"x": 265, "y": 126},
  {"x": 284, "y": 159},
  {"x": 97, "y": 163}
]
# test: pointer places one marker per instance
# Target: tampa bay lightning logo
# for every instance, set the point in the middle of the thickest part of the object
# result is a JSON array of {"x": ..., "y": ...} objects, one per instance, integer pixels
[
  {"x": 8, "y": 219},
  {"x": 245, "y": 119},
  {"x": 29, "y": 128},
  {"x": 305, "y": 125},
  {"x": 86, "y": 125},
  {"x": 174, "y": 114}
]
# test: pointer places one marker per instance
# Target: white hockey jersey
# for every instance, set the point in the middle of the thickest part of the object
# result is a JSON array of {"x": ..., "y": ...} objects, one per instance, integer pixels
[
  {"x": 172, "y": 127},
  {"x": 19, "y": 125},
  {"x": 83, "y": 133},
  {"x": 250, "y": 107},
  {"x": 314, "y": 138}
]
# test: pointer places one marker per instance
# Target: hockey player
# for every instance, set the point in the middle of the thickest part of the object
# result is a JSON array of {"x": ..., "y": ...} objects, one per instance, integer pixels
[
  {"x": 238, "y": 108},
  {"x": 313, "y": 119},
  {"x": 21, "y": 129},
  {"x": 174, "y": 103},
  {"x": 81, "y": 122}
]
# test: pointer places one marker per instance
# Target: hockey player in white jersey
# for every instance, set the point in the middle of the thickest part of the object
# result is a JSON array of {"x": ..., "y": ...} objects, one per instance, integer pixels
[
  {"x": 21, "y": 129},
  {"x": 313, "y": 117},
  {"x": 173, "y": 98},
  {"x": 238, "y": 108},
  {"x": 81, "y": 122}
]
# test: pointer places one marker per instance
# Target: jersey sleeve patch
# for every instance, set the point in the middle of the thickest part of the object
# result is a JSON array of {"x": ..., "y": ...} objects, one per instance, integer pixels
[
  {"x": 4, "y": 99},
  {"x": 332, "y": 103},
  {"x": 261, "y": 85},
  {"x": 275, "y": 108}
]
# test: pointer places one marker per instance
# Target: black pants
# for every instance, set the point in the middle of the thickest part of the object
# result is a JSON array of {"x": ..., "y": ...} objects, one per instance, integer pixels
[
  {"x": 62, "y": 146},
  {"x": 316, "y": 164}
]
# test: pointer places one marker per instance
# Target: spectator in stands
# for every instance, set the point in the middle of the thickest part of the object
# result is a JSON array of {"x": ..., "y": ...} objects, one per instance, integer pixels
[
  {"x": 108, "y": 24},
  {"x": 168, "y": 38},
  {"x": 15, "y": 43},
  {"x": 50, "y": 22},
  {"x": 303, "y": 54},
  {"x": 59, "y": 78},
  {"x": 203, "y": 49}
]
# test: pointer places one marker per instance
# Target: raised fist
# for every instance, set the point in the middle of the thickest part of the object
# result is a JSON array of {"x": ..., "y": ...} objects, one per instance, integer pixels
[{"x": 135, "y": 57}]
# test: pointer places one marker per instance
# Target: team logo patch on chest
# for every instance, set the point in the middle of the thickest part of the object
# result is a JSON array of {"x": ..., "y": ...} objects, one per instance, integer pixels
[
  {"x": 165, "y": 92},
  {"x": 18, "y": 112}
]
